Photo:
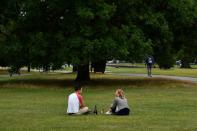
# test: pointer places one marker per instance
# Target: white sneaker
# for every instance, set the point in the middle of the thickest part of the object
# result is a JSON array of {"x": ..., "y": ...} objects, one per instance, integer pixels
[{"x": 108, "y": 113}]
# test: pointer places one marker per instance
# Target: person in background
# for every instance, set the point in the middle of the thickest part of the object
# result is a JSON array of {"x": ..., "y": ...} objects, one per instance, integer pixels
[
  {"x": 76, "y": 102},
  {"x": 149, "y": 61},
  {"x": 120, "y": 105}
]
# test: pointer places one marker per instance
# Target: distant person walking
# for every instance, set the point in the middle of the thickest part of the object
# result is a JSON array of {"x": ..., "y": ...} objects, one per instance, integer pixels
[
  {"x": 76, "y": 103},
  {"x": 120, "y": 105},
  {"x": 149, "y": 61}
]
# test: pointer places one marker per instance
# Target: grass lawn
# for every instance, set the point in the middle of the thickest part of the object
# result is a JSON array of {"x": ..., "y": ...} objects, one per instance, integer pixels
[
  {"x": 156, "y": 71},
  {"x": 5, "y": 72},
  {"x": 194, "y": 66},
  {"x": 38, "y": 102},
  {"x": 142, "y": 70}
]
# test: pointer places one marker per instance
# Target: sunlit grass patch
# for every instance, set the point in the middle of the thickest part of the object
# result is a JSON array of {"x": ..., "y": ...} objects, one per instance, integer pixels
[
  {"x": 38, "y": 102},
  {"x": 156, "y": 71}
]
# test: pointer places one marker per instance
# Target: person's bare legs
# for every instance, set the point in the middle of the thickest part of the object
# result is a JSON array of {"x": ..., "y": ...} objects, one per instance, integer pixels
[{"x": 83, "y": 110}]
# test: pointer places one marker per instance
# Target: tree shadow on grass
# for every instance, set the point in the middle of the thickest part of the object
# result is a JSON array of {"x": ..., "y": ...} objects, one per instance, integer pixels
[
  {"x": 133, "y": 82},
  {"x": 95, "y": 82},
  {"x": 39, "y": 82}
]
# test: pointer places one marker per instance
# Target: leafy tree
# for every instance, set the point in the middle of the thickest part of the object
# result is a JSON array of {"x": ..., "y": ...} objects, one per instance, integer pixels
[
  {"x": 53, "y": 32},
  {"x": 182, "y": 17}
]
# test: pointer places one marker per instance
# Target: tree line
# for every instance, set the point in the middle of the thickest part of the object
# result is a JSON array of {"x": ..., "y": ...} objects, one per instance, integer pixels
[{"x": 49, "y": 33}]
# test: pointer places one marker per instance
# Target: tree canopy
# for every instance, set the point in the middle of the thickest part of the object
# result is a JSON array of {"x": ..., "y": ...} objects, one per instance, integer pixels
[{"x": 50, "y": 33}]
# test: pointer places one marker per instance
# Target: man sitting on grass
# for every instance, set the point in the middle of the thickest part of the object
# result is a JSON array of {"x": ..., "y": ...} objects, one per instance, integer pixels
[{"x": 76, "y": 102}]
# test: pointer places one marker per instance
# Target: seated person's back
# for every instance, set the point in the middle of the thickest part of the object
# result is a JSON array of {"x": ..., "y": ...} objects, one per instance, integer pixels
[
  {"x": 119, "y": 105},
  {"x": 76, "y": 102}
]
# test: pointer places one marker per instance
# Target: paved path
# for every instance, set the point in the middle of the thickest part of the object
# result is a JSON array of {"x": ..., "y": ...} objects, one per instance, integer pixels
[{"x": 190, "y": 79}]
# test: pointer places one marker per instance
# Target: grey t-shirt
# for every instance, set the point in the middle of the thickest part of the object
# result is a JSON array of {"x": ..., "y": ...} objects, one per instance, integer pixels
[{"x": 119, "y": 103}]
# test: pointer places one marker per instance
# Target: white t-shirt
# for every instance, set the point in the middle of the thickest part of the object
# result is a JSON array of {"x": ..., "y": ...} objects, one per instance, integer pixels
[{"x": 73, "y": 103}]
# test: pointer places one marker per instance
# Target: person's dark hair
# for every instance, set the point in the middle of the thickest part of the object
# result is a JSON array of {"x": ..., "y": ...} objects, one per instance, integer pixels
[{"x": 77, "y": 87}]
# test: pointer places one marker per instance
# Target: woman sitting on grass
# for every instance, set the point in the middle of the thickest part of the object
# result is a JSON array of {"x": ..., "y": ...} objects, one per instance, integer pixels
[{"x": 119, "y": 106}]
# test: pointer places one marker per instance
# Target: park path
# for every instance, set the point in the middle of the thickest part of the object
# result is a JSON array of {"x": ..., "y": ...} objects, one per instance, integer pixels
[{"x": 190, "y": 79}]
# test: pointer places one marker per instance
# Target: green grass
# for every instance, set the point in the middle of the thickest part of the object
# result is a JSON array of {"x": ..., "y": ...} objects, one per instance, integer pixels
[
  {"x": 194, "y": 66},
  {"x": 156, "y": 71},
  {"x": 38, "y": 102},
  {"x": 142, "y": 70},
  {"x": 5, "y": 72},
  {"x": 128, "y": 64}
]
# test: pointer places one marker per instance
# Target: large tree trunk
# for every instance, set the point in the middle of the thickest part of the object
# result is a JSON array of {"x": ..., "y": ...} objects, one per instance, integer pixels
[
  {"x": 185, "y": 63},
  {"x": 83, "y": 73},
  {"x": 99, "y": 66},
  {"x": 46, "y": 68},
  {"x": 29, "y": 68},
  {"x": 75, "y": 68}
]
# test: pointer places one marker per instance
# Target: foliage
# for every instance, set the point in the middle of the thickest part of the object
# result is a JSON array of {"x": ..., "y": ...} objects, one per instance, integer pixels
[{"x": 52, "y": 33}]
